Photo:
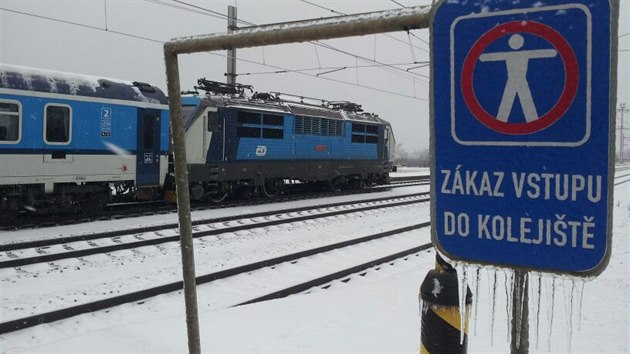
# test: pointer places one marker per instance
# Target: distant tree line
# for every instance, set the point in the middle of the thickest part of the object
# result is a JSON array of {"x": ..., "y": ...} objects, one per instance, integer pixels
[{"x": 416, "y": 158}]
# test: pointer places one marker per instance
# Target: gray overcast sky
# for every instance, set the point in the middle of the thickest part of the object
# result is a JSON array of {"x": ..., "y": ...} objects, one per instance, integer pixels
[{"x": 82, "y": 45}]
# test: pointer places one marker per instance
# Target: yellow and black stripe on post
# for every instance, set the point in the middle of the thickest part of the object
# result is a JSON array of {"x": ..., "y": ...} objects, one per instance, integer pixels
[{"x": 441, "y": 324}]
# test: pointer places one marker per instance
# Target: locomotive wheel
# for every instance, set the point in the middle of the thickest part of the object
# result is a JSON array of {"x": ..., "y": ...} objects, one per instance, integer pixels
[
  {"x": 220, "y": 195},
  {"x": 272, "y": 187},
  {"x": 355, "y": 183},
  {"x": 370, "y": 181},
  {"x": 197, "y": 191},
  {"x": 336, "y": 184}
]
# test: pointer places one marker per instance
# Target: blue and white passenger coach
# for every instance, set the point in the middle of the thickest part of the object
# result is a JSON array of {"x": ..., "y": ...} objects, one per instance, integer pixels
[
  {"x": 236, "y": 142},
  {"x": 69, "y": 140}
]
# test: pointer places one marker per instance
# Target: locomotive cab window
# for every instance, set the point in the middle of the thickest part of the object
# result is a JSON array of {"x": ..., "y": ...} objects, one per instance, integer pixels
[
  {"x": 273, "y": 119},
  {"x": 10, "y": 122},
  {"x": 248, "y": 118},
  {"x": 248, "y": 125},
  {"x": 58, "y": 124},
  {"x": 364, "y": 133},
  {"x": 188, "y": 114},
  {"x": 256, "y": 125},
  {"x": 213, "y": 121},
  {"x": 273, "y": 126}
]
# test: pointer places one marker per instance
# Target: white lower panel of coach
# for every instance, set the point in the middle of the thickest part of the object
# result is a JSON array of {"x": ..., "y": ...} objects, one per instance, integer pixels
[{"x": 36, "y": 169}]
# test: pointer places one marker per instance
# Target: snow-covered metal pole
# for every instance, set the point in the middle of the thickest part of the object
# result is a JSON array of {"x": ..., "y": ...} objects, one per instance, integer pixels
[
  {"x": 304, "y": 31},
  {"x": 183, "y": 203},
  {"x": 289, "y": 32}
]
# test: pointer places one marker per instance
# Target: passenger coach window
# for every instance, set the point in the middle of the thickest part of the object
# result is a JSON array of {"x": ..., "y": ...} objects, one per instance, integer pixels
[
  {"x": 58, "y": 122},
  {"x": 10, "y": 118}
]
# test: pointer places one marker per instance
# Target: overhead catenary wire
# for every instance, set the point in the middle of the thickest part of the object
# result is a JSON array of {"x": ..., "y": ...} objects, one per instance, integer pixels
[
  {"x": 418, "y": 38},
  {"x": 397, "y": 3},
  {"x": 423, "y": 64},
  {"x": 77, "y": 24},
  {"x": 184, "y": 8},
  {"x": 345, "y": 14},
  {"x": 201, "y": 8},
  {"x": 401, "y": 73},
  {"x": 81, "y": 25},
  {"x": 392, "y": 70},
  {"x": 413, "y": 54}
]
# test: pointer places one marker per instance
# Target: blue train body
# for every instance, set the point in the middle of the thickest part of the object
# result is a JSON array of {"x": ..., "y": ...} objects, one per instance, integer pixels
[
  {"x": 263, "y": 141},
  {"x": 76, "y": 141},
  {"x": 70, "y": 140}
]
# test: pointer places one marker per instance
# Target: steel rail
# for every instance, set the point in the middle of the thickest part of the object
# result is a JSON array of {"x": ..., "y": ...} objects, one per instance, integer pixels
[
  {"x": 298, "y": 288},
  {"x": 160, "y": 240},
  {"x": 110, "y": 234},
  {"x": 34, "y": 320},
  {"x": 145, "y": 209}
]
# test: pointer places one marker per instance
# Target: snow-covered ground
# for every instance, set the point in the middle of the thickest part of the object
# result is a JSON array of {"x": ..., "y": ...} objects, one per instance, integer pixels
[
  {"x": 378, "y": 313},
  {"x": 410, "y": 171}
]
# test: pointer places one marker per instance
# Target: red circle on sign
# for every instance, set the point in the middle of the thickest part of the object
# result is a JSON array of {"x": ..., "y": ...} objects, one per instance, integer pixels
[{"x": 570, "y": 79}]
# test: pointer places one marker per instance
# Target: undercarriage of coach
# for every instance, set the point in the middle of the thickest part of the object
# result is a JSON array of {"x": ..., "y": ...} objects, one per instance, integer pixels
[{"x": 64, "y": 197}]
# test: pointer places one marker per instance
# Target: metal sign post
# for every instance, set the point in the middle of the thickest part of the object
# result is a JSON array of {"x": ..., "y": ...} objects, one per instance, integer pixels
[{"x": 523, "y": 98}]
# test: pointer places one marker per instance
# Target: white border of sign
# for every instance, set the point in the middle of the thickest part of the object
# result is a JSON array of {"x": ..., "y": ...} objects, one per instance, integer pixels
[
  {"x": 612, "y": 106},
  {"x": 589, "y": 47}
]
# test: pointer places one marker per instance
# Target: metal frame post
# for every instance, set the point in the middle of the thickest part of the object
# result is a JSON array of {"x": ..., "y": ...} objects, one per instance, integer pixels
[
  {"x": 281, "y": 33},
  {"x": 183, "y": 205}
]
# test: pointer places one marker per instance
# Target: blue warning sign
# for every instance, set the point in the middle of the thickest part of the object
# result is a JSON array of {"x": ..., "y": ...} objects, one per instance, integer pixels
[{"x": 521, "y": 168}]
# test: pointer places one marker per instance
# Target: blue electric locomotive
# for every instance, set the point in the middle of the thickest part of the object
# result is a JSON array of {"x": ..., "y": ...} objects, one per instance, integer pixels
[
  {"x": 259, "y": 143},
  {"x": 69, "y": 140}
]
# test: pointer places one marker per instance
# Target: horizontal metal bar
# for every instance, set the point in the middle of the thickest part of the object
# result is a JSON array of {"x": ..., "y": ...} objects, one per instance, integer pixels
[{"x": 303, "y": 31}]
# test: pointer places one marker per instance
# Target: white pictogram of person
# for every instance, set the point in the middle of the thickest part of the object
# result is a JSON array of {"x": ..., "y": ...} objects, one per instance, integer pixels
[{"x": 517, "y": 63}]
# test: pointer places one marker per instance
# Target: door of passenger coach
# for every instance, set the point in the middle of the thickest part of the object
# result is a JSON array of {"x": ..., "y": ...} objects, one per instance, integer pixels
[{"x": 148, "y": 150}]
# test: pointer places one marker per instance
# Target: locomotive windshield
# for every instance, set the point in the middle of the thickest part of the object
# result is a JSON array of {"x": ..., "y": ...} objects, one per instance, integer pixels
[{"x": 187, "y": 114}]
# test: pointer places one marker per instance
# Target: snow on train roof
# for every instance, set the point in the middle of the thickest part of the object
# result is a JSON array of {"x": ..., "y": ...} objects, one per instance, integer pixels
[
  {"x": 32, "y": 79},
  {"x": 296, "y": 108}
]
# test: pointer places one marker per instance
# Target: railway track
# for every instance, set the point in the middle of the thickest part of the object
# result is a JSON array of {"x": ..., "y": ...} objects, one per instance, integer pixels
[
  {"x": 295, "y": 285},
  {"x": 128, "y": 210},
  {"x": 303, "y": 285},
  {"x": 49, "y": 250},
  {"x": 624, "y": 178}
]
